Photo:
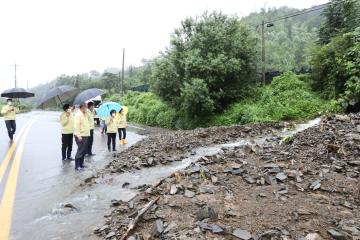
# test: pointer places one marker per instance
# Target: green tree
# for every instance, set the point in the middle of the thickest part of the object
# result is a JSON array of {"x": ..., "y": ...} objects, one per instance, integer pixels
[
  {"x": 196, "y": 99},
  {"x": 350, "y": 62},
  {"x": 334, "y": 64},
  {"x": 110, "y": 81},
  {"x": 341, "y": 16},
  {"x": 215, "y": 55},
  {"x": 288, "y": 43}
]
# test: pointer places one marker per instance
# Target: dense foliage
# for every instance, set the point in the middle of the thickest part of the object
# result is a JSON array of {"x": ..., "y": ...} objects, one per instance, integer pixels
[
  {"x": 149, "y": 109},
  {"x": 341, "y": 16},
  {"x": 210, "y": 63},
  {"x": 335, "y": 61},
  {"x": 288, "y": 42},
  {"x": 351, "y": 63},
  {"x": 286, "y": 98}
]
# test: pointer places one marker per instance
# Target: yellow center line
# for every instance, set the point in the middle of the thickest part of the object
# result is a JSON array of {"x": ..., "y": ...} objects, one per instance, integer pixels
[
  {"x": 7, "y": 203},
  {"x": 10, "y": 152}
]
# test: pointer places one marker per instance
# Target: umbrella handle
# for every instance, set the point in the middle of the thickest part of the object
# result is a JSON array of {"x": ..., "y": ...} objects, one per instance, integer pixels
[
  {"x": 19, "y": 103},
  {"x": 60, "y": 100}
]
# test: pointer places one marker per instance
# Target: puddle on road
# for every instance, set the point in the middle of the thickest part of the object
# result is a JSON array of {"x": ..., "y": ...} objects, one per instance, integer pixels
[{"x": 94, "y": 202}]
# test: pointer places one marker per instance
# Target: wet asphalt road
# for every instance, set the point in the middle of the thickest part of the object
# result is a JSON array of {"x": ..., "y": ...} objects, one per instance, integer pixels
[{"x": 43, "y": 181}]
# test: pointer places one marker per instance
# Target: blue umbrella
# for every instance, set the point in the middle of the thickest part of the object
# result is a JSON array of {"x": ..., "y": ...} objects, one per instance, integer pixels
[{"x": 105, "y": 108}]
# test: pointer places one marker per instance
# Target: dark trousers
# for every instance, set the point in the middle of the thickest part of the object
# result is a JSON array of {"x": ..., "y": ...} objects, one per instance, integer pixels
[
  {"x": 11, "y": 128},
  {"x": 81, "y": 151},
  {"x": 66, "y": 147},
  {"x": 122, "y": 133},
  {"x": 111, "y": 139},
  {"x": 91, "y": 141}
]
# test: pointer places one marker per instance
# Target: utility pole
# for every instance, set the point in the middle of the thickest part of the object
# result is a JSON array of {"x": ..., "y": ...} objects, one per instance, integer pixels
[
  {"x": 263, "y": 51},
  {"x": 120, "y": 87},
  {"x": 15, "y": 67},
  {"x": 122, "y": 73}
]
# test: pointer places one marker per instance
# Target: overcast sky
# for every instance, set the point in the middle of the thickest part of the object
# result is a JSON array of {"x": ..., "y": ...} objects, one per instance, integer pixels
[{"x": 49, "y": 37}]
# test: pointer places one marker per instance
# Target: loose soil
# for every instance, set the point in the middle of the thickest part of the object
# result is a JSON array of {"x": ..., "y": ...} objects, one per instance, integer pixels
[{"x": 300, "y": 187}]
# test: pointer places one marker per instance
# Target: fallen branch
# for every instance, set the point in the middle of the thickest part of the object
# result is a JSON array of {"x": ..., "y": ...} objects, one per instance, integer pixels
[{"x": 132, "y": 225}]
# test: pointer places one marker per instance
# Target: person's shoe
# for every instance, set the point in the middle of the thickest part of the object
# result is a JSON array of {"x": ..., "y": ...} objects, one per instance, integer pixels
[
  {"x": 114, "y": 150},
  {"x": 78, "y": 169},
  {"x": 64, "y": 159},
  {"x": 91, "y": 154},
  {"x": 70, "y": 159},
  {"x": 124, "y": 141}
]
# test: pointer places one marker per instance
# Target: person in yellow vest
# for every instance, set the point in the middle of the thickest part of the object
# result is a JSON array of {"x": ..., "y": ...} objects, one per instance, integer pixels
[
  {"x": 111, "y": 125},
  {"x": 9, "y": 113},
  {"x": 82, "y": 134},
  {"x": 122, "y": 125},
  {"x": 67, "y": 132},
  {"x": 90, "y": 115}
]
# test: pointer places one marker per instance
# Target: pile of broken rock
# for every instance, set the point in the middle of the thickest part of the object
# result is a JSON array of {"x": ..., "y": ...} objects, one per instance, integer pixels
[{"x": 306, "y": 188}]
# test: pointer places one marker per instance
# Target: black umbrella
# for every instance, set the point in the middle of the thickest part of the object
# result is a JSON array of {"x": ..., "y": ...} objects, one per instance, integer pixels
[
  {"x": 87, "y": 95},
  {"x": 57, "y": 95},
  {"x": 17, "y": 93}
]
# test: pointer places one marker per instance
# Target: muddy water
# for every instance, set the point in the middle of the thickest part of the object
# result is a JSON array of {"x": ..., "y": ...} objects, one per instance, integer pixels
[{"x": 92, "y": 203}]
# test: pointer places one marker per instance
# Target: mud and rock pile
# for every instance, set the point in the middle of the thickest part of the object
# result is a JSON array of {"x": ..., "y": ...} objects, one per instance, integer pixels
[
  {"x": 300, "y": 187},
  {"x": 168, "y": 147}
]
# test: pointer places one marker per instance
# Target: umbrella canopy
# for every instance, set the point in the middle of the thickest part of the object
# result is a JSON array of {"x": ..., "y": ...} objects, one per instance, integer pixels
[
  {"x": 58, "y": 95},
  {"x": 105, "y": 108},
  {"x": 87, "y": 95},
  {"x": 17, "y": 93}
]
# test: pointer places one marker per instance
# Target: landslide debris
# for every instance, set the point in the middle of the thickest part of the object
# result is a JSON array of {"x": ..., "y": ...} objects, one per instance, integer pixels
[{"x": 306, "y": 188}]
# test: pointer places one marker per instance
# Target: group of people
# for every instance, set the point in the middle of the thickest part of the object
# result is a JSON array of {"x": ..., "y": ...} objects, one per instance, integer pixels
[{"x": 80, "y": 126}]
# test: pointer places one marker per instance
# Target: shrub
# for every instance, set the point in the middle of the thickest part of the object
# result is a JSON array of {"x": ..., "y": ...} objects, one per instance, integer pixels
[
  {"x": 149, "y": 109},
  {"x": 286, "y": 98},
  {"x": 336, "y": 66}
]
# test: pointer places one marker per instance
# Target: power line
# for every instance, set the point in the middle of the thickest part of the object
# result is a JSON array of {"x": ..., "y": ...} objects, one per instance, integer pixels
[
  {"x": 263, "y": 24},
  {"x": 298, "y": 13},
  {"x": 270, "y": 24}
]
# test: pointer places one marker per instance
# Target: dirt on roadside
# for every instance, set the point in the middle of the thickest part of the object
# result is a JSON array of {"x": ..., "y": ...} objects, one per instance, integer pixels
[
  {"x": 300, "y": 187},
  {"x": 171, "y": 146}
]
